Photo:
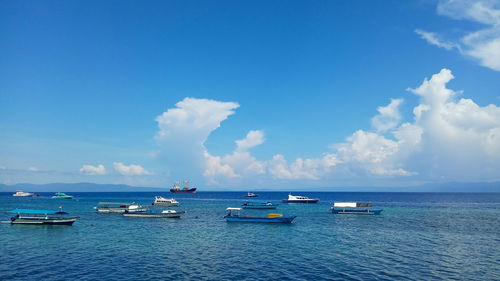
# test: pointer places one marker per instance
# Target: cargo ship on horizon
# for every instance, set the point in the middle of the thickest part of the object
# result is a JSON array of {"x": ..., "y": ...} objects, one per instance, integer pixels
[{"x": 176, "y": 188}]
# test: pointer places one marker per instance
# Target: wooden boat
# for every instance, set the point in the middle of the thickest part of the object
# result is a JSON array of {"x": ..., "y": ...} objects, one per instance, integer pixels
[
  {"x": 299, "y": 199},
  {"x": 163, "y": 214},
  {"x": 160, "y": 201},
  {"x": 233, "y": 215},
  {"x": 20, "y": 193},
  {"x": 250, "y": 194},
  {"x": 254, "y": 204},
  {"x": 176, "y": 188},
  {"x": 39, "y": 217},
  {"x": 61, "y": 195},
  {"x": 117, "y": 207},
  {"x": 354, "y": 208}
]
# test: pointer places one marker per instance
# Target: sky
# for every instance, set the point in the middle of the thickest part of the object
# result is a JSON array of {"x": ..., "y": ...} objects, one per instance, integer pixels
[{"x": 234, "y": 95}]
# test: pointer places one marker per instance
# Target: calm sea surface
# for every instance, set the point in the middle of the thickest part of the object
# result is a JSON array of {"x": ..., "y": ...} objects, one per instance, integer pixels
[{"x": 418, "y": 236}]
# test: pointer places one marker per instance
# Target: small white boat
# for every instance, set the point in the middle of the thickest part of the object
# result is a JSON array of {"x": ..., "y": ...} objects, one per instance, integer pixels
[
  {"x": 117, "y": 207},
  {"x": 161, "y": 201},
  {"x": 164, "y": 214},
  {"x": 299, "y": 199},
  {"x": 20, "y": 193}
]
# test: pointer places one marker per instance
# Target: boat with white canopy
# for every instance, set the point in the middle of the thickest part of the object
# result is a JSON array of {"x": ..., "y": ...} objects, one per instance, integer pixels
[
  {"x": 354, "y": 208},
  {"x": 161, "y": 201},
  {"x": 119, "y": 207}
]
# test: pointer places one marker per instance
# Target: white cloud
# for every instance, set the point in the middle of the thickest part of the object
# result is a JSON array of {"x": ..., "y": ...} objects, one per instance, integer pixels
[
  {"x": 388, "y": 117},
  {"x": 130, "y": 170},
  {"x": 433, "y": 39},
  {"x": 252, "y": 139},
  {"x": 93, "y": 170},
  {"x": 483, "y": 44},
  {"x": 33, "y": 169},
  {"x": 183, "y": 131},
  {"x": 239, "y": 163},
  {"x": 449, "y": 138},
  {"x": 310, "y": 168}
]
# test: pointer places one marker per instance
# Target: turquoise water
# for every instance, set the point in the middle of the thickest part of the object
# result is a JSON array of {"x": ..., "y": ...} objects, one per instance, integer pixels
[{"x": 418, "y": 236}]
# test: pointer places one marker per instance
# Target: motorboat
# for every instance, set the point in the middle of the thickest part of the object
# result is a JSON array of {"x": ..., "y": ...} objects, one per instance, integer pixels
[
  {"x": 163, "y": 214},
  {"x": 233, "y": 215},
  {"x": 20, "y": 193},
  {"x": 250, "y": 194},
  {"x": 62, "y": 195},
  {"x": 254, "y": 204},
  {"x": 176, "y": 188},
  {"x": 354, "y": 208},
  {"x": 40, "y": 217},
  {"x": 161, "y": 201},
  {"x": 118, "y": 207},
  {"x": 299, "y": 199}
]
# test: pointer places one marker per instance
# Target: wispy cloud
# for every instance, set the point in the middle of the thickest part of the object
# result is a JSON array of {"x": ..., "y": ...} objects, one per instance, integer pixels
[{"x": 482, "y": 44}]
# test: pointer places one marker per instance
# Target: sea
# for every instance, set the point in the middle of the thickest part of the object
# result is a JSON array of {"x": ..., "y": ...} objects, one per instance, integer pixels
[{"x": 418, "y": 236}]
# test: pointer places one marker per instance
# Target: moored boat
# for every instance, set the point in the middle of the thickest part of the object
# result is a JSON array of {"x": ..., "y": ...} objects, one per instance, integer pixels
[
  {"x": 250, "y": 194},
  {"x": 176, "y": 188},
  {"x": 161, "y": 201},
  {"x": 299, "y": 199},
  {"x": 20, "y": 193},
  {"x": 163, "y": 214},
  {"x": 40, "y": 217},
  {"x": 118, "y": 207},
  {"x": 354, "y": 208},
  {"x": 233, "y": 215},
  {"x": 255, "y": 204},
  {"x": 62, "y": 195}
]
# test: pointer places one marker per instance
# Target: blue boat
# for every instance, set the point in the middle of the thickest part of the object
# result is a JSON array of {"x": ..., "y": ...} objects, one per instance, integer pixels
[
  {"x": 39, "y": 217},
  {"x": 233, "y": 215},
  {"x": 354, "y": 208},
  {"x": 256, "y": 204}
]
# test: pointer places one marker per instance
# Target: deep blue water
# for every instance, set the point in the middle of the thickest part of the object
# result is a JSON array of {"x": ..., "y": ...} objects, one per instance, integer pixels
[{"x": 418, "y": 236}]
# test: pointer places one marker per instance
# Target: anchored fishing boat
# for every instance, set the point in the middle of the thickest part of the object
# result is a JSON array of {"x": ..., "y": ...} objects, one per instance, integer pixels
[
  {"x": 39, "y": 217},
  {"x": 233, "y": 215},
  {"x": 254, "y": 204},
  {"x": 62, "y": 195},
  {"x": 176, "y": 188},
  {"x": 250, "y": 194},
  {"x": 354, "y": 208},
  {"x": 117, "y": 207},
  {"x": 20, "y": 193},
  {"x": 299, "y": 199},
  {"x": 160, "y": 201},
  {"x": 163, "y": 214}
]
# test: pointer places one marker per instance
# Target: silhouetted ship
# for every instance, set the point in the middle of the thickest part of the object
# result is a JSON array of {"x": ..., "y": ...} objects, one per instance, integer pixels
[{"x": 185, "y": 189}]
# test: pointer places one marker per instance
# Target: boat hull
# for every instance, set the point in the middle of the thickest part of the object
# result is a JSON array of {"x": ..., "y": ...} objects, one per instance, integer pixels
[
  {"x": 306, "y": 201},
  {"x": 43, "y": 221},
  {"x": 259, "y": 207},
  {"x": 154, "y": 215},
  {"x": 165, "y": 204},
  {"x": 357, "y": 211},
  {"x": 190, "y": 190},
  {"x": 260, "y": 219}
]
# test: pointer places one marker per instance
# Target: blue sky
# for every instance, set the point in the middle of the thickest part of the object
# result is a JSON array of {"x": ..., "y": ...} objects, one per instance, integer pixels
[{"x": 82, "y": 84}]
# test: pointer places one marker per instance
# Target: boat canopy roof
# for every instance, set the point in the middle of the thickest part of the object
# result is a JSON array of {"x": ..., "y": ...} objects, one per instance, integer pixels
[
  {"x": 257, "y": 201},
  {"x": 352, "y": 204},
  {"x": 30, "y": 211},
  {"x": 115, "y": 203},
  {"x": 233, "y": 209}
]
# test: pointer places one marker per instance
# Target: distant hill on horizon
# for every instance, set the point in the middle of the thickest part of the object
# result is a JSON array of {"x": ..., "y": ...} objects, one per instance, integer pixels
[{"x": 94, "y": 187}]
